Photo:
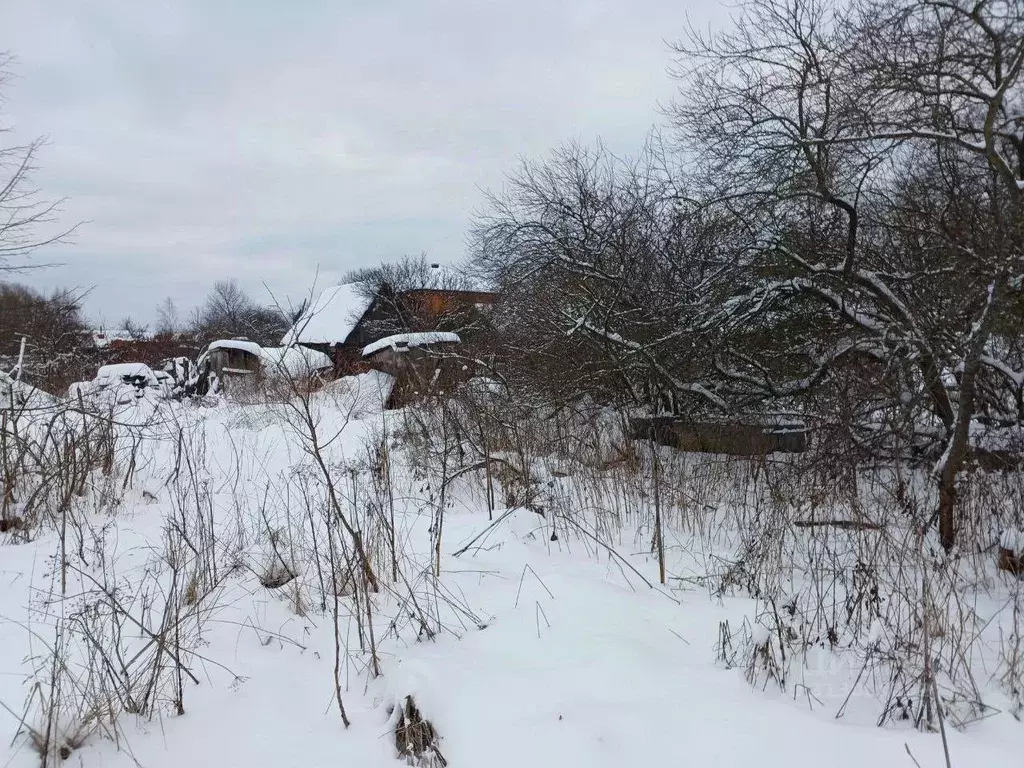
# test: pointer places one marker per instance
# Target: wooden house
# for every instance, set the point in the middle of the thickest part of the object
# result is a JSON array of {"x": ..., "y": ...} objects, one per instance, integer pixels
[
  {"x": 344, "y": 320},
  {"x": 334, "y": 325}
]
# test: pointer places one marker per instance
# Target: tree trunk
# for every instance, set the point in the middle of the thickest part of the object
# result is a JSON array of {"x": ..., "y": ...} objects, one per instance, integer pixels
[
  {"x": 958, "y": 447},
  {"x": 947, "y": 510},
  {"x": 954, "y": 458}
]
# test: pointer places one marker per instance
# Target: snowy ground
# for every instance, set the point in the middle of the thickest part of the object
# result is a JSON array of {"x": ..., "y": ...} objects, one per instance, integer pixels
[{"x": 554, "y": 653}]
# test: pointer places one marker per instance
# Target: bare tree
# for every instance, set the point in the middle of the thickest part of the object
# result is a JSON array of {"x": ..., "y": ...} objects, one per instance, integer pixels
[
  {"x": 168, "y": 320},
  {"x": 24, "y": 215},
  {"x": 229, "y": 312},
  {"x": 415, "y": 294},
  {"x": 137, "y": 331},
  {"x": 54, "y": 331},
  {"x": 874, "y": 154},
  {"x": 407, "y": 274},
  {"x": 600, "y": 272}
]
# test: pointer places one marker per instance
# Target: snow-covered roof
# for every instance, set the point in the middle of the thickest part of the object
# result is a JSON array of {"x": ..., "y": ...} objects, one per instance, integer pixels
[
  {"x": 246, "y": 346},
  {"x": 411, "y": 340},
  {"x": 120, "y": 370},
  {"x": 444, "y": 275},
  {"x": 330, "y": 318},
  {"x": 288, "y": 361},
  {"x": 293, "y": 361},
  {"x": 101, "y": 337},
  {"x": 361, "y": 395}
]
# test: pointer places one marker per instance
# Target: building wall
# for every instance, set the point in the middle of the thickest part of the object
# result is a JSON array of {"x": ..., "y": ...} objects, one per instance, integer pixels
[
  {"x": 227, "y": 364},
  {"x": 730, "y": 439},
  {"x": 419, "y": 372}
]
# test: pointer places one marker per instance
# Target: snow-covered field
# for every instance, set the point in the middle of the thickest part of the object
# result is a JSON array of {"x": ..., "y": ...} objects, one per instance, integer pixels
[{"x": 175, "y": 611}]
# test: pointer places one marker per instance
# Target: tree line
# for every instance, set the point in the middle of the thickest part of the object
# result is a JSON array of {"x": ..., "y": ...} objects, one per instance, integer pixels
[{"x": 60, "y": 347}]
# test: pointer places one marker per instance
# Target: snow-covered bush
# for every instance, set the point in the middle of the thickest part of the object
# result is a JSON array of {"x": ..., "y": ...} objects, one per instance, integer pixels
[
  {"x": 274, "y": 558},
  {"x": 122, "y": 384}
]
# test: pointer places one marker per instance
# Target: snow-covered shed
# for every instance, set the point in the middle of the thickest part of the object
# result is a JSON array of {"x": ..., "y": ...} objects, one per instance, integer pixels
[
  {"x": 402, "y": 342},
  {"x": 232, "y": 358},
  {"x": 235, "y": 360}
]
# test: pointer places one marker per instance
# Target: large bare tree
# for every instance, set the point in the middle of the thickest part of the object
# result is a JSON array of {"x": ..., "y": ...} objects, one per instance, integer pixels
[
  {"x": 601, "y": 274},
  {"x": 875, "y": 154},
  {"x": 229, "y": 312}
]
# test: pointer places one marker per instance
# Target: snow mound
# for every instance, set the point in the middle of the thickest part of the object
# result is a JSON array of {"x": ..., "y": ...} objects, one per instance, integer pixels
[
  {"x": 124, "y": 371},
  {"x": 17, "y": 395},
  {"x": 1013, "y": 540},
  {"x": 362, "y": 395},
  {"x": 122, "y": 384}
]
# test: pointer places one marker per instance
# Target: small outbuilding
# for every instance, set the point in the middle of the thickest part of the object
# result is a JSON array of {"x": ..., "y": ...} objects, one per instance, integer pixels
[
  {"x": 238, "y": 364},
  {"x": 231, "y": 359},
  {"x": 418, "y": 363}
]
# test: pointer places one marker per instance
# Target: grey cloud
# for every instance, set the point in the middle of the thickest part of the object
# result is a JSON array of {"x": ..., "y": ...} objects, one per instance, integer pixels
[{"x": 262, "y": 139}]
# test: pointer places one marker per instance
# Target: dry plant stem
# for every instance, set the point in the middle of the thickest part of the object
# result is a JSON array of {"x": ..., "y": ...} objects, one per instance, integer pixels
[
  {"x": 659, "y": 531},
  {"x": 928, "y": 668},
  {"x": 484, "y": 532},
  {"x": 392, "y": 531},
  {"x": 315, "y": 450},
  {"x": 611, "y": 551},
  {"x": 442, "y": 495},
  {"x": 332, "y": 554},
  {"x": 375, "y": 668},
  {"x": 317, "y": 549}
]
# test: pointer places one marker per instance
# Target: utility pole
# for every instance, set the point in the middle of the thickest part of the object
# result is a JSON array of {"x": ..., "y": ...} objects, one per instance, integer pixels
[{"x": 21, "y": 358}]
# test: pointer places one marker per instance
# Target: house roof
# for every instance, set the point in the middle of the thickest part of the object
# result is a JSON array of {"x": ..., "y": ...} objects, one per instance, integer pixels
[
  {"x": 441, "y": 275},
  {"x": 245, "y": 346},
  {"x": 400, "y": 340},
  {"x": 102, "y": 337},
  {"x": 330, "y": 318},
  {"x": 468, "y": 296}
]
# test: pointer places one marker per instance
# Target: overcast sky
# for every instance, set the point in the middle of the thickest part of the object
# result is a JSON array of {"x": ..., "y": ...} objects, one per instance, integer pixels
[{"x": 262, "y": 139}]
